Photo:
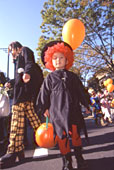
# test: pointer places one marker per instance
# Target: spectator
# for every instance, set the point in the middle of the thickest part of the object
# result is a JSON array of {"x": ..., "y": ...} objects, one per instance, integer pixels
[
  {"x": 96, "y": 108},
  {"x": 27, "y": 83},
  {"x": 3, "y": 129},
  {"x": 105, "y": 106}
]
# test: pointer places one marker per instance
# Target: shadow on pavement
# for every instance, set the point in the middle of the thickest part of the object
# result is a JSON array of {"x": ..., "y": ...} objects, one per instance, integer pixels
[
  {"x": 93, "y": 164},
  {"x": 110, "y": 147},
  {"x": 101, "y": 164},
  {"x": 101, "y": 139}
]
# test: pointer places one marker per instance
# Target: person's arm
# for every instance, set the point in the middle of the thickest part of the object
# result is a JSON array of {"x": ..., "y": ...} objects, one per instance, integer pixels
[
  {"x": 43, "y": 99},
  {"x": 82, "y": 94},
  {"x": 29, "y": 63}
]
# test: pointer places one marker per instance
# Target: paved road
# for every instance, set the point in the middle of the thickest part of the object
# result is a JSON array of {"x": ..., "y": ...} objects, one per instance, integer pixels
[{"x": 99, "y": 153}]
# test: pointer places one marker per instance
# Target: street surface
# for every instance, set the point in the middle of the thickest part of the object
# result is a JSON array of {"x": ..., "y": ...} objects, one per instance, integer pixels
[{"x": 99, "y": 153}]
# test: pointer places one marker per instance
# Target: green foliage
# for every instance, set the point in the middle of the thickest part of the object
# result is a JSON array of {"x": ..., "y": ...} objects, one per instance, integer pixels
[{"x": 97, "y": 49}]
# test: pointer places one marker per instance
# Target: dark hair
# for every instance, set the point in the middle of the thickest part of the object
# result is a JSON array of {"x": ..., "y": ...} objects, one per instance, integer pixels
[{"x": 14, "y": 45}]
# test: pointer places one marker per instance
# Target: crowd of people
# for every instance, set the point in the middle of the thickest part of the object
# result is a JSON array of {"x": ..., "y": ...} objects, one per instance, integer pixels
[
  {"x": 101, "y": 106},
  {"x": 59, "y": 96}
]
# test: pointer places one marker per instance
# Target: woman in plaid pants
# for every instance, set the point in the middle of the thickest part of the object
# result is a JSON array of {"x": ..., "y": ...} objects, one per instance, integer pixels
[{"x": 26, "y": 89}]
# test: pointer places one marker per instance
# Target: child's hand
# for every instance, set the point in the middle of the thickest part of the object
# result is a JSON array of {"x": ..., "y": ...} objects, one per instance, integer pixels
[
  {"x": 46, "y": 114},
  {"x": 8, "y": 85},
  {"x": 88, "y": 111}
]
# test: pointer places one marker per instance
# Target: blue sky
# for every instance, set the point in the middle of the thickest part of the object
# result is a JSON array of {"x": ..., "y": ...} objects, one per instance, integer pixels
[{"x": 20, "y": 20}]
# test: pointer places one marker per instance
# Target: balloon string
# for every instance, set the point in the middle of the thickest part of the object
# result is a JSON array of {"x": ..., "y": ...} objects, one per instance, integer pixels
[{"x": 46, "y": 122}]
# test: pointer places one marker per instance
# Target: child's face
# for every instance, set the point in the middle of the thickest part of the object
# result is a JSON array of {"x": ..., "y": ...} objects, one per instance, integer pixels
[
  {"x": 93, "y": 93},
  {"x": 59, "y": 61}
]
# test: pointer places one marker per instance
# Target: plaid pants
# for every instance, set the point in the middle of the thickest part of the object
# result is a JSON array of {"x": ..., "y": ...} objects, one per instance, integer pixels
[{"x": 19, "y": 111}]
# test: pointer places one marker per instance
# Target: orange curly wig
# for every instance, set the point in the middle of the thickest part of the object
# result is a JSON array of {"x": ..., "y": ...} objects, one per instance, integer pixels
[{"x": 62, "y": 48}]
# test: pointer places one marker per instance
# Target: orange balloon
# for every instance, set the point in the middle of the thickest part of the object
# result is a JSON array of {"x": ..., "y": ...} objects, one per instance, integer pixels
[
  {"x": 110, "y": 87},
  {"x": 44, "y": 136},
  {"x": 73, "y": 33},
  {"x": 109, "y": 81},
  {"x": 112, "y": 101},
  {"x": 111, "y": 104},
  {"x": 105, "y": 83}
]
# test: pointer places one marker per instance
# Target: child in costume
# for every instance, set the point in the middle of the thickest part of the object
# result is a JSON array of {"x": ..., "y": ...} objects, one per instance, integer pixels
[
  {"x": 96, "y": 106},
  {"x": 61, "y": 94},
  {"x": 105, "y": 106}
]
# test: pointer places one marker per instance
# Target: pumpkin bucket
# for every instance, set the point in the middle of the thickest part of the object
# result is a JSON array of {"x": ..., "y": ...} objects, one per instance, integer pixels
[{"x": 44, "y": 135}]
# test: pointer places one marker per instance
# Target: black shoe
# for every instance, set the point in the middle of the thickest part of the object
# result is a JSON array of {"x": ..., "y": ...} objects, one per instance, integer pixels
[
  {"x": 82, "y": 164},
  {"x": 67, "y": 162},
  {"x": 9, "y": 159}
]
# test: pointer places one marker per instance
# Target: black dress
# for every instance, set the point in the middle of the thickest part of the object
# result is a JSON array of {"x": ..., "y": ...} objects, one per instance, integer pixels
[{"x": 62, "y": 93}]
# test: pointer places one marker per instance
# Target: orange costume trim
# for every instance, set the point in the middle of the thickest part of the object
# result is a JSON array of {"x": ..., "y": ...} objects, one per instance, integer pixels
[{"x": 76, "y": 141}]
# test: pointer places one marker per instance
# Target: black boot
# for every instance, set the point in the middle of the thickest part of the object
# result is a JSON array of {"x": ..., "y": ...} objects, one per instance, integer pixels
[
  {"x": 67, "y": 162},
  {"x": 81, "y": 163},
  {"x": 9, "y": 159}
]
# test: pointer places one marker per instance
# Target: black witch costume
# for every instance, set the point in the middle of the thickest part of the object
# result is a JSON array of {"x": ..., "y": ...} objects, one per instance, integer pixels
[{"x": 62, "y": 93}]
